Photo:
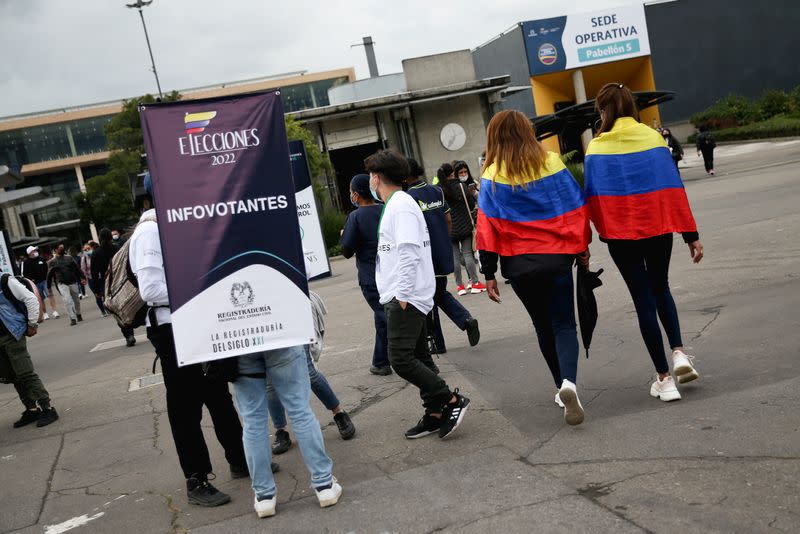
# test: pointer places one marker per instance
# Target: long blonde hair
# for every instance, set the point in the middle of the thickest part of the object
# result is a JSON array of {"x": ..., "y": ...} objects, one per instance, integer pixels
[{"x": 511, "y": 145}]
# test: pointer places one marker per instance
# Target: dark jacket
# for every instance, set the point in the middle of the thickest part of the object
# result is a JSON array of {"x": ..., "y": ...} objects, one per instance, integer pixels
[
  {"x": 674, "y": 147},
  {"x": 64, "y": 270},
  {"x": 101, "y": 260},
  {"x": 435, "y": 209},
  {"x": 455, "y": 192},
  {"x": 705, "y": 141},
  {"x": 35, "y": 269}
]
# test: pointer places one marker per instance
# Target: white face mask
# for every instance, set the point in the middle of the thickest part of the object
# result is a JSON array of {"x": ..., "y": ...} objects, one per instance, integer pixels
[
  {"x": 463, "y": 178},
  {"x": 34, "y": 255},
  {"x": 115, "y": 237}
]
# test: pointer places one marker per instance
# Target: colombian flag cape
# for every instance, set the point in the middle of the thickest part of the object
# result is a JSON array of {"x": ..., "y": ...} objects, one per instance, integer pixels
[
  {"x": 633, "y": 189},
  {"x": 547, "y": 216}
]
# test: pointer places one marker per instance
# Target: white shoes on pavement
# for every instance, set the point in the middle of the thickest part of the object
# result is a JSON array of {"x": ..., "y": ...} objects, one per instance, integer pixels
[
  {"x": 558, "y": 401},
  {"x": 665, "y": 389},
  {"x": 55, "y": 315},
  {"x": 46, "y": 317},
  {"x": 573, "y": 410},
  {"x": 329, "y": 496},
  {"x": 683, "y": 367},
  {"x": 266, "y": 507}
]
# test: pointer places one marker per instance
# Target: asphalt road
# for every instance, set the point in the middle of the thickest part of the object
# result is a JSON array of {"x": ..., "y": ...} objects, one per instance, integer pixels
[{"x": 726, "y": 458}]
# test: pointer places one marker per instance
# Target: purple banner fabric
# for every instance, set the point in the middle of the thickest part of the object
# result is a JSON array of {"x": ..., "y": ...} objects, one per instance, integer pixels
[{"x": 227, "y": 219}]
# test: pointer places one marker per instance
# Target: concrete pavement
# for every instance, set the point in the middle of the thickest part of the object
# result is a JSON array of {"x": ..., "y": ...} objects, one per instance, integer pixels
[{"x": 723, "y": 459}]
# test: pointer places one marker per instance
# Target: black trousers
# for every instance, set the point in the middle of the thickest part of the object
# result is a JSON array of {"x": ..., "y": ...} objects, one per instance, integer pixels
[
  {"x": 708, "y": 158},
  {"x": 409, "y": 355},
  {"x": 188, "y": 389}
]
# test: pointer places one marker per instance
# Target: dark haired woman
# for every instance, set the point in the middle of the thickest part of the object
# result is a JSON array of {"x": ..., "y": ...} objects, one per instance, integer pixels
[
  {"x": 637, "y": 201},
  {"x": 461, "y": 203},
  {"x": 533, "y": 217}
]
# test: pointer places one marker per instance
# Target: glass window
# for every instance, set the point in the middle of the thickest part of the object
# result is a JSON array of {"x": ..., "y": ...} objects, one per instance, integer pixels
[
  {"x": 51, "y": 141},
  {"x": 89, "y": 135},
  {"x": 64, "y": 185}
]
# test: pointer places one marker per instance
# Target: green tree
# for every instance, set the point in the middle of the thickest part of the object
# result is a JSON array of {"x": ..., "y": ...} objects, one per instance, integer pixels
[
  {"x": 318, "y": 161},
  {"x": 107, "y": 201}
]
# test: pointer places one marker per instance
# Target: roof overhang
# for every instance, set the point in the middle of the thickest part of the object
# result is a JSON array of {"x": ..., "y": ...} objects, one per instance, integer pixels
[
  {"x": 63, "y": 225},
  {"x": 9, "y": 177},
  {"x": 36, "y": 205},
  {"x": 16, "y": 197},
  {"x": 584, "y": 115},
  {"x": 399, "y": 100}
]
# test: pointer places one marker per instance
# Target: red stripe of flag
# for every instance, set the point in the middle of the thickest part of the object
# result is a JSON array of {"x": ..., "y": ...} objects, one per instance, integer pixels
[
  {"x": 565, "y": 234},
  {"x": 642, "y": 216}
]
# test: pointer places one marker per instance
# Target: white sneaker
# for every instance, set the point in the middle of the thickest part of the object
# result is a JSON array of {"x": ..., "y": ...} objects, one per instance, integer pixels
[
  {"x": 46, "y": 317},
  {"x": 683, "y": 367},
  {"x": 558, "y": 401},
  {"x": 266, "y": 507},
  {"x": 329, "y": 496},
  {"x": 56, "y": 315},
  {"x": 665, "y": 389},
  {"x": 573, "y": 410}
]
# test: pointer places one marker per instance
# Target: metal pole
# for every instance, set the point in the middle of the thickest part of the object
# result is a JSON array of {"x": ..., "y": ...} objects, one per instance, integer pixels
[{"x": 149, "y": 49}]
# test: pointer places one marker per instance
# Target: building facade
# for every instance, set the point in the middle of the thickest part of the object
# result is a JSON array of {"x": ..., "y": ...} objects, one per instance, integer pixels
[{"x": 60, "y": 150}]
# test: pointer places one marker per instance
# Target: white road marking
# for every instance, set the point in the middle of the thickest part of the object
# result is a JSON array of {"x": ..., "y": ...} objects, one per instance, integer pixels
[{"x": 69, "y": 524}]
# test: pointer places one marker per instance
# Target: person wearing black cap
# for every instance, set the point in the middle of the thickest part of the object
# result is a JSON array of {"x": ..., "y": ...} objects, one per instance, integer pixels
[{"x": 360, "y": 239}]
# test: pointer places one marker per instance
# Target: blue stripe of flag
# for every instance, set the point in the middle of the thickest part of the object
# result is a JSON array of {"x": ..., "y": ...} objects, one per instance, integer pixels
[
  {"x": 630, "y": 174},
  {"x": 197, "y": 124},
  {"x": 543, "y": 199}
]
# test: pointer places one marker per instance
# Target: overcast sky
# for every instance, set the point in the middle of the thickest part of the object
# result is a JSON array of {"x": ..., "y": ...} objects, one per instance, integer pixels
[{"x": 58, "y": 53}]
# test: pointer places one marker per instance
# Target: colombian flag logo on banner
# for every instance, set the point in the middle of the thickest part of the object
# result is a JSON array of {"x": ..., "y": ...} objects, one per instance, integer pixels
[
  {"x": 547, "y": 216},
  {"x": 633, "y": 188}
]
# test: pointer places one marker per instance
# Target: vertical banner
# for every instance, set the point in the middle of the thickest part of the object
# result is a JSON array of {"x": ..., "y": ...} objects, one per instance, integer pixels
[
  {"x": 6, "y": 261},
  {"x": 314, "y": 250},
  {"x": 227, "y": 219}
]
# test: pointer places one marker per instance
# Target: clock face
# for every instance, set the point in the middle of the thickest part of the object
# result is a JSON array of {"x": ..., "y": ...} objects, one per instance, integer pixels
[{"x": 453, "y": 136}]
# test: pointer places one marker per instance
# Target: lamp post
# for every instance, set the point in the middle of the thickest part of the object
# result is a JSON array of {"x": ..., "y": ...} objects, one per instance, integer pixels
[{"x": 139, "y": 5}]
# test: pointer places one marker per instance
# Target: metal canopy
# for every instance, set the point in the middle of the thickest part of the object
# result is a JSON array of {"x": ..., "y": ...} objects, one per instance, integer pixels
[{"x": 583, "y": 116}]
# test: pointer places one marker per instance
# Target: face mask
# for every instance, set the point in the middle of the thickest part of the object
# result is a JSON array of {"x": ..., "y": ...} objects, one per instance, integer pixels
[
  {"x": 463, "y": 178},
  {"x": 353, "y": 202},
  {"x": 374, "y": 191},
  {"x": 115, "y": 237},
  {"x": 34, "y": 255},
  {"x": 89, "y": 252}
]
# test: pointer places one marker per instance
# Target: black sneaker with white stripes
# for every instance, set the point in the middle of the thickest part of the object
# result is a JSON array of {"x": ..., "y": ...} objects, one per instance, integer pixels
[
  {"x": 453, "y": 414},
  {"x": 426, "y": 426}
]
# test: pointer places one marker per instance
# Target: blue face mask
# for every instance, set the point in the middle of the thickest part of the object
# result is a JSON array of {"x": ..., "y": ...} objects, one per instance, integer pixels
[
  {"x": 374, "y": 192},
  {"x": 353, "y": 202}
]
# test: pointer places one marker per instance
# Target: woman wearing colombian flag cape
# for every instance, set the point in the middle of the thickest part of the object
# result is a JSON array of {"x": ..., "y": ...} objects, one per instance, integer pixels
[
  {"x": 636, "y": 202},
  {"x": 532, "y": 216}
]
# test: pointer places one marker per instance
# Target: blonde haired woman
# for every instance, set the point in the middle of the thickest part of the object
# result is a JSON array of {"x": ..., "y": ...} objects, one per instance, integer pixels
[{"x": 532, "y": 216}]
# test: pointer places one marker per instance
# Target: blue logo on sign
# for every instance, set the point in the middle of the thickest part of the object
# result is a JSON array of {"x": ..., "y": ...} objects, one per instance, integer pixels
[{"x": 548, "y": 54}]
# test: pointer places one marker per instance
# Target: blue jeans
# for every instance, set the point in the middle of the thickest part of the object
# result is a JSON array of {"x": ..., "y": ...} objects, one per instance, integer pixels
[
  {"x": 644, "y": 265},
  {"x": 380, "y": 354},
  {"x": 319, "y": 385},
  {"x": 42, "y": 287},
  {"x": 451, "y": 307},
  {"x": 550, "y": 301},
  {"x": 288, "y": 372}
]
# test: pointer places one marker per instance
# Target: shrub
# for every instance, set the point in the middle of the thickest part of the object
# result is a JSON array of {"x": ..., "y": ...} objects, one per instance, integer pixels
[
  {"x": 574, "y": 167},
  {"x": 772, "y": 103},
  {"x": 793, "y": 102},
  {"x": 733, "y": 110},
  {"x": 780, "y": 126},
  {"x": 332, "y": 223}
]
